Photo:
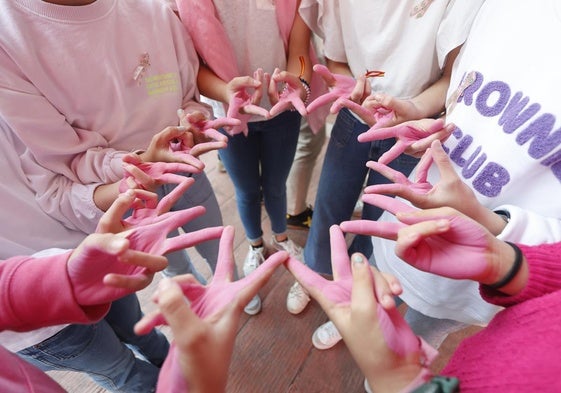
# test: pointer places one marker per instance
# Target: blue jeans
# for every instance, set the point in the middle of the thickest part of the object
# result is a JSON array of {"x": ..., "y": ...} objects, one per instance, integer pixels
[
  {"x": 259, "y": 163},
  {"x": 200, "y": 193},
  {"x": 340, "y": 184},
  {"x": 102, "y": 350}
]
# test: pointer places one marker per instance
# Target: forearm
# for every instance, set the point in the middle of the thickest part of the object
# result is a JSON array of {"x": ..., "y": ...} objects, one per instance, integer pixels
[
  {"x": 211, "y": 86},
  {"x": 105, "y": 194},
  {"x": 338, "y": 67}
]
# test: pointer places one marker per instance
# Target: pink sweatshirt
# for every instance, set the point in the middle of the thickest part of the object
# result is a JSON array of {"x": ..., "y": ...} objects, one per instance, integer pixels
[
  {"x": 519, "y": 350},
  {"x": 82, "y": 85},
  {"x": 52, "y": 303}
]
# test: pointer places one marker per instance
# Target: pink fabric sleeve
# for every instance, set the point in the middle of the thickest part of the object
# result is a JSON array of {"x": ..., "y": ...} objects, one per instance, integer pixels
[
  {"x": 36, "y": 292},
  {"x": 55, "y": 144},
  {"x": 71, "y": 203},
  {"x": 544, "y": 277},
  {"x": 19, "y": 376}
]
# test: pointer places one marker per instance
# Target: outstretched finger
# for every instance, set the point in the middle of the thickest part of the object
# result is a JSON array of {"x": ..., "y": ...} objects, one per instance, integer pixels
[
  {"x": 383, "y": 229},
  {"x": 225, "y": 261},
  {"x": 339, "y": 256},
  {"x": 191, "y": 239},
  {"x": 392, "y": 205}
]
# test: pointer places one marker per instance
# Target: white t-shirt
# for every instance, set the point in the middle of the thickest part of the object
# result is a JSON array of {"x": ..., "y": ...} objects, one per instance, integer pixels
[
  {"x": 385, "y": 35},
  {"x": 507, "y": 146}
]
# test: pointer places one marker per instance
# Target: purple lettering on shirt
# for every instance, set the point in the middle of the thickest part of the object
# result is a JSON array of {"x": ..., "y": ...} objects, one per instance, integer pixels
[
  {"x": 473, "y": 163},
  {"x": 469, "y": 92},
  {"x": 515, "y": 115},
  {"x": 493, "y": 88},
  {"x": 539, "y": 131},
  {"x": 456, "y": 153},
  {"x": 491, "y": 180}
]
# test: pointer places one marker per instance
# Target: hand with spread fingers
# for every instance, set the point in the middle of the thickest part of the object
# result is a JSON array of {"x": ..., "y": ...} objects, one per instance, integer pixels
[
  {"x": 205, "y": 325},
  {"x": 339, "y": 86},
  {"x": 442, "y": 241},
  {"x": 379, "y": 117},
  {"x": 359, "y": 301},
  {"x": 292, "y": 96},
  {"x": 159, "y": 149},
  {"x": 401, "y": 184},
  {"x": 413, "y": 137},
  {"x": 150, "y": 175},
  {"x": 449, "y": 191},
  {"x": 245, "y": 96},
  {"x": 202, "y": 135}
]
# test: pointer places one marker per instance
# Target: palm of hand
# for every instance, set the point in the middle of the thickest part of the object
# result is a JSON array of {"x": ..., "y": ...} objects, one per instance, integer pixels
[
  {"x": 458, "y": 253},
  {"x": 406, "y": 134},
  {"x": 340, "y": 86},
  {"x": 241, "y": 107},
  {"x": 289, "y": 98},
  {"x": 87, "y": 270}
]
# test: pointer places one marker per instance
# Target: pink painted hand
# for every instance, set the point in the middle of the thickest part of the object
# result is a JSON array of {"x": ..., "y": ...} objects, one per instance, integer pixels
[
  {"x": 244, "y": 103},
  {"x": 377, "y": 118},
  {"x": 100, "y": 275},
  {"x": 205, "y": 332},
  {"x": 413, "y": 137},
  {"x": 159, "y": 148},
  {"x": 340, "y": 86},
  {"x": 449, "y": 191},
  {"x": 150, "y": 175},
  {"x": 401, "y": 184},
  {"x": 291, "y": 95},
  {"x": 222, "y": 291},
  {"x": 441, "y": 241},
  {"x": 359, "y": 301},
  {"x": 202, "y": 134}
]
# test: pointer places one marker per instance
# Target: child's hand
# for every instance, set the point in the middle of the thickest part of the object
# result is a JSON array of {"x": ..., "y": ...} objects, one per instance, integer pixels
[
  {"x": 204, "y": 320},
  {"x": 413, "y": 137},
  {"x": 245, "y": 95},
  {"x": 339, "y": 86},
  {"x": 293, "y": 96},
  {"x": 359, "y": 301}
]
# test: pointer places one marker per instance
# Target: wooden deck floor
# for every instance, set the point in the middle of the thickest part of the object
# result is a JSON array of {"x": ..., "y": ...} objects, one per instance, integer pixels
[{"x": 273, "y": 350}]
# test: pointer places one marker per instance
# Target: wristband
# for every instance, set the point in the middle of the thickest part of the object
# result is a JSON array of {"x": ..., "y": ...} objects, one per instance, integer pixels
[
  {"x": 306, "y": 86},
  {"x": 513, "y": 270},
  {"x": 439, "y": 384}
]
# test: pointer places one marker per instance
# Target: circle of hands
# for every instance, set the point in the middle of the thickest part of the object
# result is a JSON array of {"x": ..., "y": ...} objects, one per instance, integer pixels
[
  {"x": 129, "y": 251},
  {"x": 125, "y": 253}
]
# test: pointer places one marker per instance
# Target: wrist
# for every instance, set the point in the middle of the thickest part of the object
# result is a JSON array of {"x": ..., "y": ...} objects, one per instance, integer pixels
[
  {"x": 512, "y": 271},
  {"x": 307, "y": 89}
]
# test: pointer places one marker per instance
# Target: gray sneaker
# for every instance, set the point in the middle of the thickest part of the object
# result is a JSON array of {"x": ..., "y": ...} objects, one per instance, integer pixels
[
  {"x": 297, "y": 298},
  {"x": 326, "y": 336},
  {"x": 254, "y": 306},
  {"x": 289, "y": 246},
  {"x": 254, "y": 258}
]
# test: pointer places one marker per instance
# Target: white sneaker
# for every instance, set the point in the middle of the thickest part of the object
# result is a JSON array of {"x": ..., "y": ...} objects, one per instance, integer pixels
[
  {"x": 326, "y": 336},
  {"x": 289, "y": 246},
  {"x": 254, "y": 306},
  {"x": 254, "y": 258},
  {"x": 297, "y": 298},
  {"x": 367, "y": 386}
]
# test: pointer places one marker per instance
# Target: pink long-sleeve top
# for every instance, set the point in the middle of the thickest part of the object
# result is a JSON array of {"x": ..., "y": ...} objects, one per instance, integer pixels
[
  {"x": 52, "y": 303},
  {"x": 82, "y": 85},
  {"x": 519, "y": 350}
]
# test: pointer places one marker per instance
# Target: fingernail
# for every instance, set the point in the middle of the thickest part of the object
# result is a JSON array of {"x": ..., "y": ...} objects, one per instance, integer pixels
[{"x": 357, "y": 258}]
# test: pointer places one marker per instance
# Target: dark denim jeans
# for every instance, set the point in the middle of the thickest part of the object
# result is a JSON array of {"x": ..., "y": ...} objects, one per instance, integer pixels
[
  {"x": 341, "y": 182},
  {"x": 260, "y": 162}
]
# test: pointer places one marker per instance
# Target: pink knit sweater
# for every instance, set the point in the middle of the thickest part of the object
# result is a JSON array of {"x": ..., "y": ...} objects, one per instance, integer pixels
[{"x": 519, "y": 350}]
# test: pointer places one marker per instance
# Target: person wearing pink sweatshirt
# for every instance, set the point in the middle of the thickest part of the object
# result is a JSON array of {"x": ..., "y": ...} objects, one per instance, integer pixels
[
  {"x": 83, "y": 83},
  {"x": 79, "y": 285}
]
